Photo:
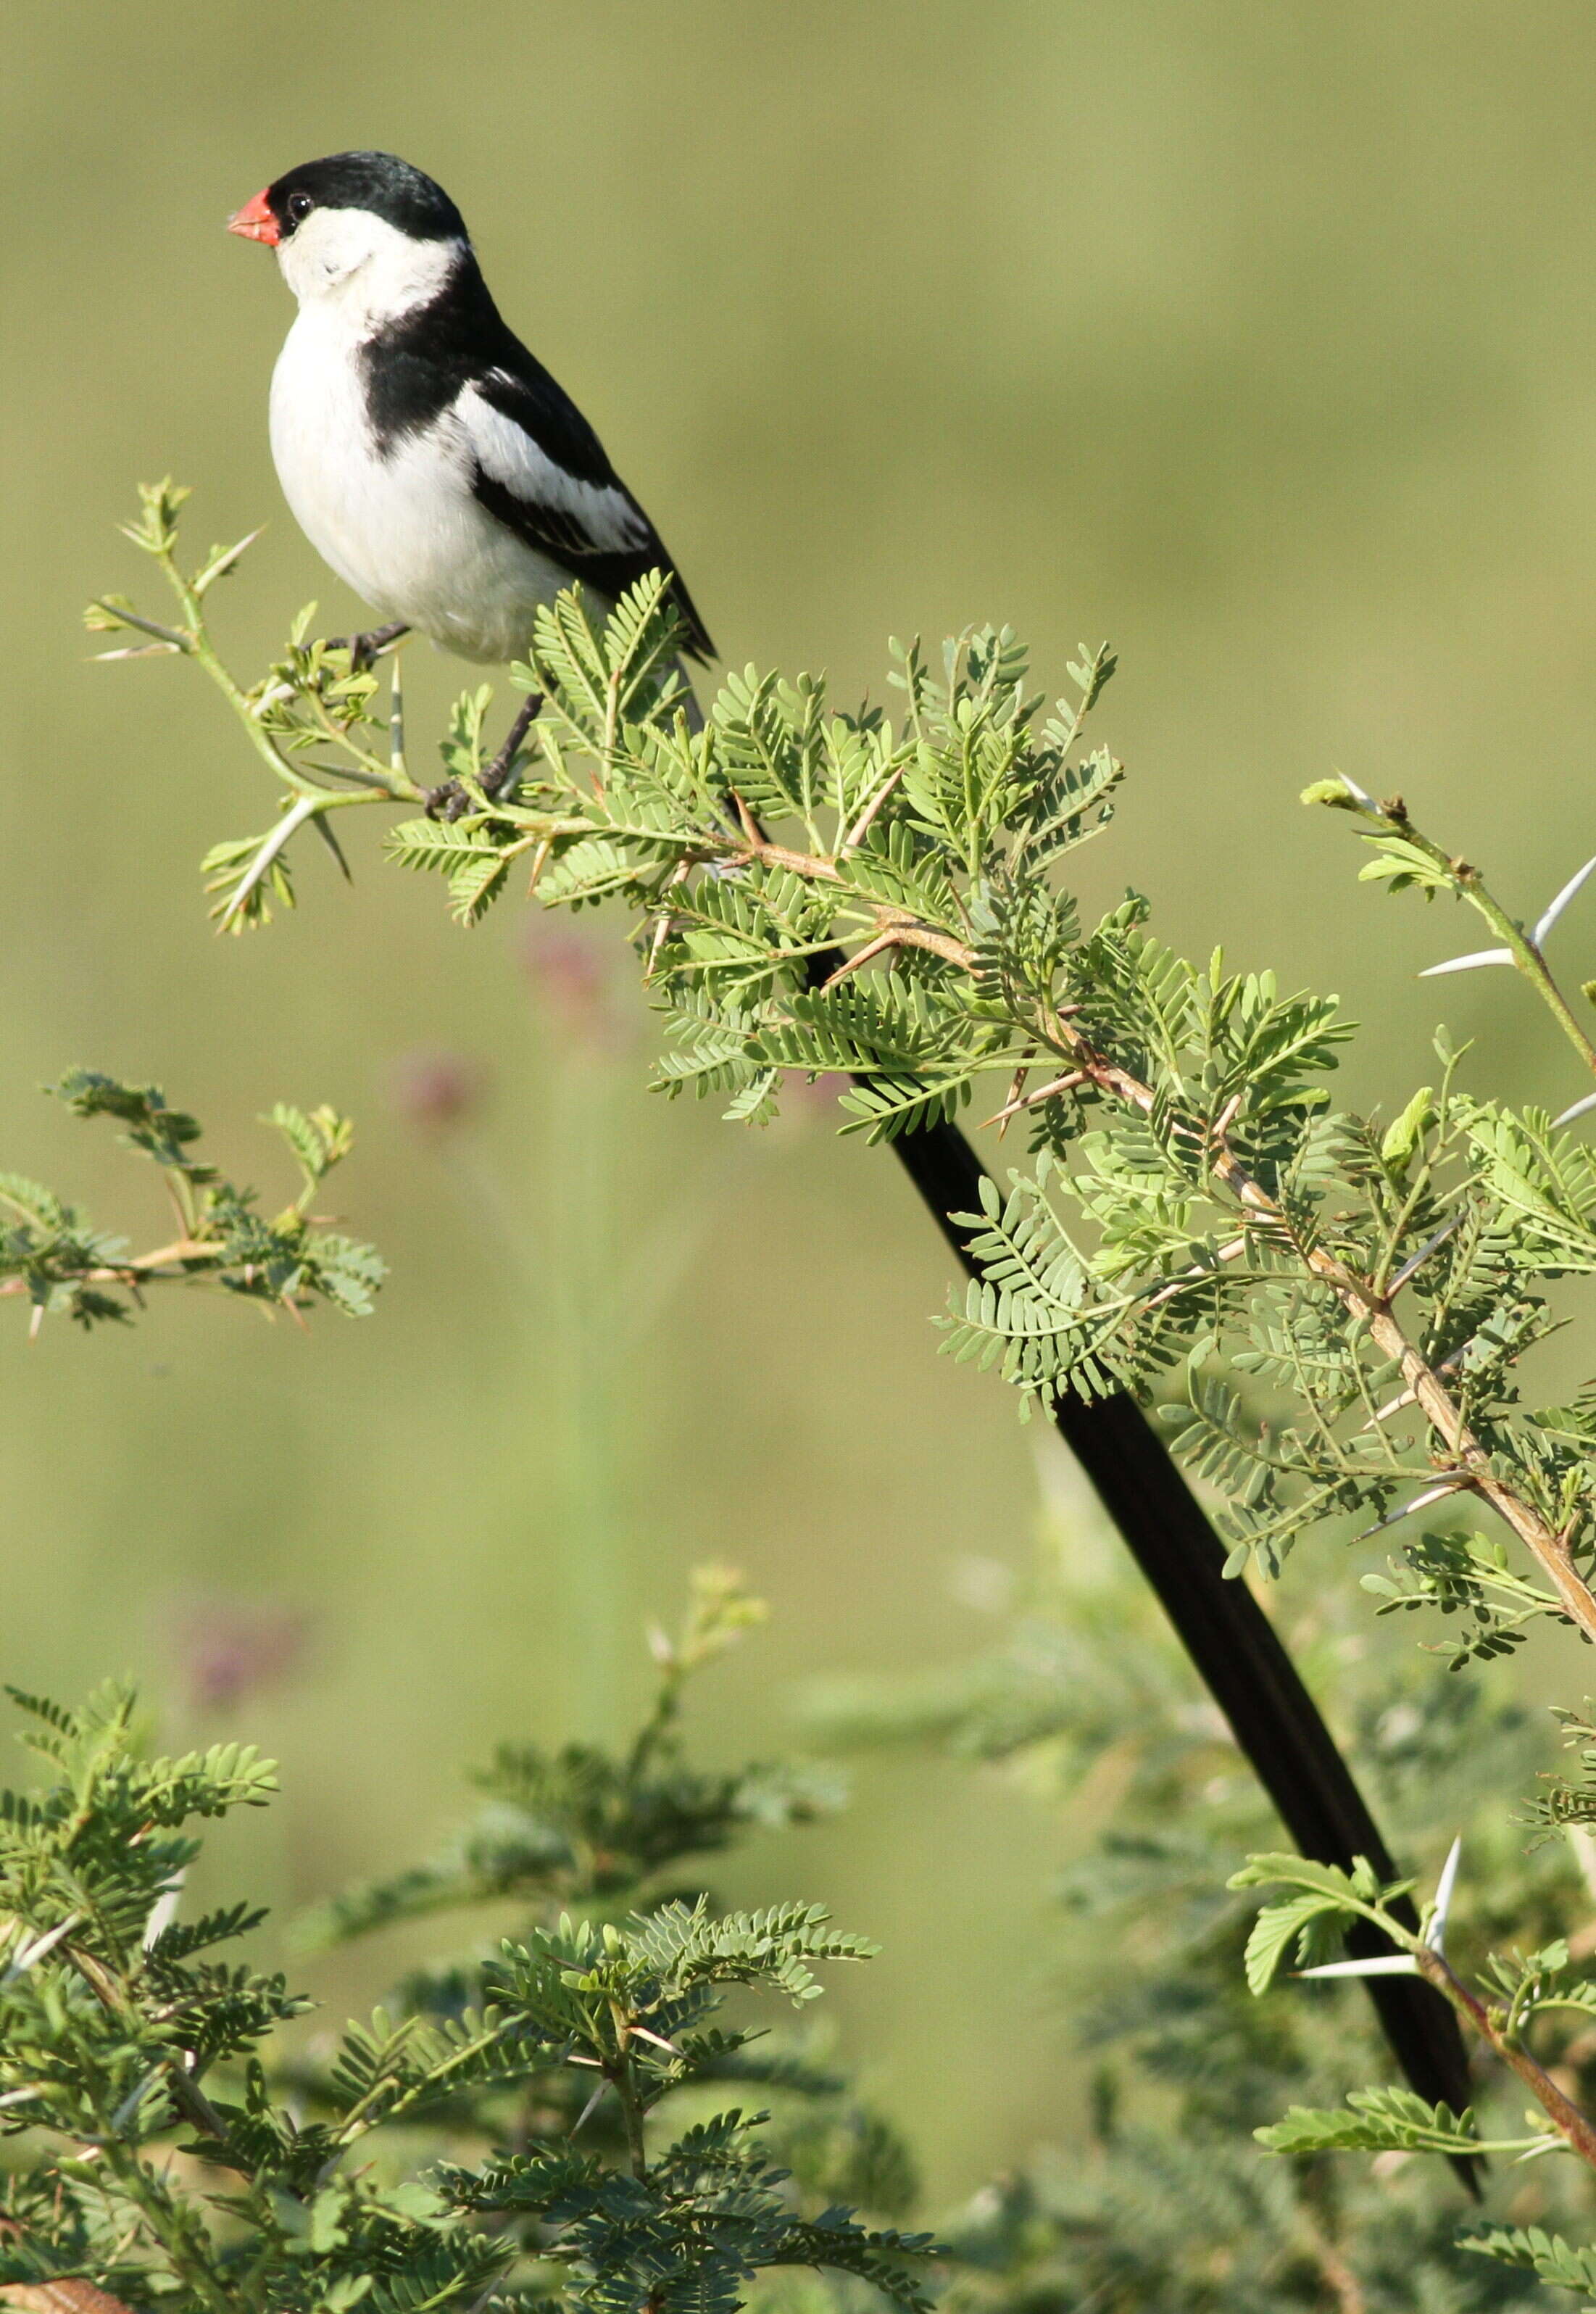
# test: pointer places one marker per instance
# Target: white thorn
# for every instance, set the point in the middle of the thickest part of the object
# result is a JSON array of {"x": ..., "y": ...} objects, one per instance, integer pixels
[
  {"x": 1418, "y": 1260},
  {"x": 587, "y": 2109},
  {"x": 1382, "y": 1965},
  {"x": 1392, "y": 1405},
  {"x": 1356, "y": 792},
  {"x": 163, "y": 1911},
  {"x": 1453, "y": 1483},
  {"x": 396, "y": 720},
  {"x": 1443, "y": 1896},
  {"x": 1468, "y": 963},
  {"x": 1562, "y": 900},
  {"x": 225, "y": 561},
  {"x": 294, "y": 817},
  {"x": 39, "y": 1947},
  {"x": 1577, "y": 1109}
]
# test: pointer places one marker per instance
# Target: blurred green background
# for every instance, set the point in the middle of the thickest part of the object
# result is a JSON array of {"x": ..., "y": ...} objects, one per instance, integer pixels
[{"x": 1258, "y": 338}]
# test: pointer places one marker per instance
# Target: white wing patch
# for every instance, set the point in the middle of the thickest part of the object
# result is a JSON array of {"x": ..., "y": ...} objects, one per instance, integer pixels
[{"x": 509, "y": 457}]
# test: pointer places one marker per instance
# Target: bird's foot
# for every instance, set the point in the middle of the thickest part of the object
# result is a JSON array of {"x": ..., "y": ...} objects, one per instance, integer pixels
[
  {"x": 447, "y": 801},
  {"x": 363, "y": 648},
  {"x": 451, "y": 801}
]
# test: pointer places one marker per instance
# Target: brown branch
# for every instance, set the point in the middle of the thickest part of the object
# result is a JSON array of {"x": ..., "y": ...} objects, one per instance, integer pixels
[
  {"x": 856, "y": 834},
  {"x": 1017, "y": 1085},
  {"x": 912, "y": 933},
  {"x": 757, "y": 846},
  {"x": 1343, "y": 2281},
  {"x": 135, "y": 1271},
  {"x": 1547, "y": 1545},
  {"x": 1566, "y": 2117},
  {"x": 186, "y": 2090},
  {"x": 1030, "y": 1100},
  {"x": 906, "y": 930},
  {"x": 876, "y": 947}
]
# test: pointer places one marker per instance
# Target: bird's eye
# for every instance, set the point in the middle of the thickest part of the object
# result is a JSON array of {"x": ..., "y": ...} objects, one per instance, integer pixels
[{"x": 300, "y": 206}]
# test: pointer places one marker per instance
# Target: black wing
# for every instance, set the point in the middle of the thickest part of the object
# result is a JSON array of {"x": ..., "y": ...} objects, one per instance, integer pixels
[{"x": 541, "y": 471}]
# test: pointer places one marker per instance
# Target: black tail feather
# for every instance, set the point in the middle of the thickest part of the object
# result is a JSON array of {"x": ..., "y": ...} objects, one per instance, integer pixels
[{"x": 1231, "y": 1641}]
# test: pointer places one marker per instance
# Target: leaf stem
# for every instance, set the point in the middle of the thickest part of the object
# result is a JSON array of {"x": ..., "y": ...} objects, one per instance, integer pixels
[
  {"x": 1466, "y": 880},
  {"x": 393, "y": 783}
]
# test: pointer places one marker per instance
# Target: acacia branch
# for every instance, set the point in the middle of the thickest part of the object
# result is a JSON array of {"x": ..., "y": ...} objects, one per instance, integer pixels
[
  {"x": 138, "y": 1270},
  {"x": 1549, "y": 1545},
  {"x": 1566, "y": 2117}
]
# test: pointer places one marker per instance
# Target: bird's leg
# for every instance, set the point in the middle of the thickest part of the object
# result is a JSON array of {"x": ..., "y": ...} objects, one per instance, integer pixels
[
  {"x": 497, "y": 774},
  {"x": 450, "y": 802},
  {"x": 363, "y": 649}
]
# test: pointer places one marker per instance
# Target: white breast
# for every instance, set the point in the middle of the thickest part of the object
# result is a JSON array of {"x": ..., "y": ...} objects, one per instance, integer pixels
[{"x": 403, "y": 529}]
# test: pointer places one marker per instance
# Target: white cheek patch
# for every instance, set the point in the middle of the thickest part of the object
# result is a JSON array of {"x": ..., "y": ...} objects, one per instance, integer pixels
[
  {"x": 509, "y": 457},
  {"x": 324, "y": 249},
  {"x": 364, "y": 265}
]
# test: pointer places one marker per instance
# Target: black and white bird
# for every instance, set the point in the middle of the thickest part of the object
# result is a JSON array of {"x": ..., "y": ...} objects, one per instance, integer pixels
[{"x": 427, "y": 456}]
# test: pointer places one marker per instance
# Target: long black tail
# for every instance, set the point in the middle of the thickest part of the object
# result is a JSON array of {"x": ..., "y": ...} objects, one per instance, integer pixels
[{"x": 1229, "y": 1639}]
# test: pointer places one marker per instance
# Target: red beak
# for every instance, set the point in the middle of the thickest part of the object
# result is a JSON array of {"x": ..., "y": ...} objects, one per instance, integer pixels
[{"x": 256, "y": 222}]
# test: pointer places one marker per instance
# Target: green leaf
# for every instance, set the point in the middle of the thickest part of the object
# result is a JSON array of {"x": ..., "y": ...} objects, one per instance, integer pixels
[
  {"x": 1373, "y": 2121},
  {"x": 1555, "y": 2260},
  {"x": 1277, "y": 1928},
  {"x": 1404, "y": 1133}
]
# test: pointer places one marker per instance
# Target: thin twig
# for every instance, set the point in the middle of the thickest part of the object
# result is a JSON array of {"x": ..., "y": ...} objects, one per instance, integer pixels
[
  {"x": 856, "y": 834},
  {"x": 872, "y": 948},
  {"x": 1065, "y": 1084},
  {"x": 1566, "y": 2117}
]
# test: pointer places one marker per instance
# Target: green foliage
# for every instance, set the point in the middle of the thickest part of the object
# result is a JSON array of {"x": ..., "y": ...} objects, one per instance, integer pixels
[
  {"x": 51, "y": 1254},
  {"x": 1334, "y": 1308},
  {"x": 1321, "y": 1891},
  {"x": 433, "y": 2158},
  {"x": 817, "y": 892},
  {"x": 1511, "y": 1995},
  {"x": 580, "y": 1827},
  {"x": 1375, "y": 2121},
  {"x": 1160, "y": 2199},
  {"x": 1564, "y": 1800},
  {"x": 1549, "y": 2256}
]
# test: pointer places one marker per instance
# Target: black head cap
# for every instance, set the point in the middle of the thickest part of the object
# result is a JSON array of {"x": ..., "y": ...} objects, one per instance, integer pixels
[{"x": 378, "y": 182}]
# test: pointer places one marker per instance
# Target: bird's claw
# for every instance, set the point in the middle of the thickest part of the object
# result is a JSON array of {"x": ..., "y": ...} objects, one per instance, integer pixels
[
  {"x": 363, "y": 649},
  {"x": 449, "y": 800}
]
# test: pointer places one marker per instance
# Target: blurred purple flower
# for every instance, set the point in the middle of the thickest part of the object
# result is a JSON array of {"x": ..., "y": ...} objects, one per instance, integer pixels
[
  {"x": 570, "y": 980},
  {"x": 227, "y": 1648},
  {"x": 433, "y": 1089}
]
